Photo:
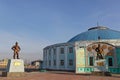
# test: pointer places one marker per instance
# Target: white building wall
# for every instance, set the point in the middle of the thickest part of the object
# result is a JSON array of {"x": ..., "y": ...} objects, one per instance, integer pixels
[
  {"x": 57, "y": 59},
  {"x": 66, "y": 51},
  {"x": 66, "y": 46},
  {"x": 47, "y": 59},
  {"x": 52, "y": 58},
  {"x": 44, "y": 60}
]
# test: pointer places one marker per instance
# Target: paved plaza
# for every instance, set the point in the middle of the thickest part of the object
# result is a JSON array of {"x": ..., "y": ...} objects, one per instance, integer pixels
[{"x": 59, "y": 76}]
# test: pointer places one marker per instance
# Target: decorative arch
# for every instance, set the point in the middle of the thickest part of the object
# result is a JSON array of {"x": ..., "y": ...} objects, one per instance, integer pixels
[{"x": 100, "y": 49}]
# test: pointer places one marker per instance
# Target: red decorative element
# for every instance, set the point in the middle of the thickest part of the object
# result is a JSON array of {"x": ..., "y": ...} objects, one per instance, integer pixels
[
  {"x": 110, "y": 48},
  {"x": 89, "y": 49},
  {"x": 104, "y": 46}
]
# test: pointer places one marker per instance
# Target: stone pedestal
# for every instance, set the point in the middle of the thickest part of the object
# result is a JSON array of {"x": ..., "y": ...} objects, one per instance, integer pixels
[
  {"x": 15, "y": 68},
  {"x": 98, "y": 73},
  {"x": 101, "y": 68}
]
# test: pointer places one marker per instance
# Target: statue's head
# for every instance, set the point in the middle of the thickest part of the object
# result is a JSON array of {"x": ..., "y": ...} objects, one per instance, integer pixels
[{"x": 16, "y": 43}]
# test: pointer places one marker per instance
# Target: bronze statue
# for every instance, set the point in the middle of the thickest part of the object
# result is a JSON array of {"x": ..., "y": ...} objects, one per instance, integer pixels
[
  {"x": 16, "y": 50},
  {"x": 99, "y": 52}
]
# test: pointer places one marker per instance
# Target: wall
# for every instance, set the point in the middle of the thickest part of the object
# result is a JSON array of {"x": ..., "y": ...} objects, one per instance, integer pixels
[{"x": 50, "y": 56}]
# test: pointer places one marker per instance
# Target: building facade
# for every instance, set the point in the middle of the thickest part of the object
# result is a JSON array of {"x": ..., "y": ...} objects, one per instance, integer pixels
[
  {"x": 59, "y": 57},
  {"x": 97, "y": 49}
]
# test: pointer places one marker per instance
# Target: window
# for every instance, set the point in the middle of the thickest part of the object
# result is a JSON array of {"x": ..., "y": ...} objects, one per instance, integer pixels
[
  {"x": 54, "y": 63},
  {"x": 62, "y": 50},
  {"x": 91, "y": 61},
  {"x": 49, "y": 52},
  {"x": 46, "y": 63},
  {"x": 62, "y": 62},
  {"x": 110, "y": 62},
  {"x": 70, "y": 62},
  {"x": 44, "y": 55},
  {"x": 54, "y": 51},
  {"x": 49, "y": 62},
  {"x": 70, "y": 49}
]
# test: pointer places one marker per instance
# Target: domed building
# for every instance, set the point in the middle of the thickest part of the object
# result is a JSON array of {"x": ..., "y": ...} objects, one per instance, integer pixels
[{"x": 97, "y": 49}]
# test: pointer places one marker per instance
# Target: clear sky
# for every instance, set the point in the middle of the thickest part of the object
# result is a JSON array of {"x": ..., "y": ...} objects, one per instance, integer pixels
[{"x": 38, "y": 23}]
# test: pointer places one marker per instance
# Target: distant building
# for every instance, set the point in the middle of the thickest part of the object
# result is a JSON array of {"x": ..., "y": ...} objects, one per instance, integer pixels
[
  {"x": 3, "y": 63},
  {"x": 97, "y": 49},
  {"x": 37, "y": 63}
]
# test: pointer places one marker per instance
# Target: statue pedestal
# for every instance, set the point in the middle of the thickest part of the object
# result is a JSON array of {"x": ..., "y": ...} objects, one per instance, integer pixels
[
  {"x": 100, "y": 73},
  {"x": 15, "y": 68},
  {"x": 101, "y": 68}
]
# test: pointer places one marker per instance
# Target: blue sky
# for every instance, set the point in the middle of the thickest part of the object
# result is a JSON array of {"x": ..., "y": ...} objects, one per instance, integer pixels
[{"x": 38, "y": 23}]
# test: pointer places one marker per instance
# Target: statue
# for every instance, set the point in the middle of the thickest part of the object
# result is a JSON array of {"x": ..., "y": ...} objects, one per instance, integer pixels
[
  {"x": 99, "y": 52},
  {"x": 16, "y": 50}
]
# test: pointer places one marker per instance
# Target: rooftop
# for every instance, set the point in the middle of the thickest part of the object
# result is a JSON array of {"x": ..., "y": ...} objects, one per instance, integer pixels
[{"x": 95, "y": 32}]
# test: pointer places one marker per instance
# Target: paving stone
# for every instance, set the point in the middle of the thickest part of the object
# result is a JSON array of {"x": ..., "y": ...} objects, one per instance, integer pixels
[{"x": 59, "y": 76}]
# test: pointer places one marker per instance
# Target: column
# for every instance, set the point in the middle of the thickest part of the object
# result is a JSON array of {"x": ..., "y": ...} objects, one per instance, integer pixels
[
  {"x": 57, "y": 58},
  {"x": 52, "y": 58},
  {"x": 66, "y": 52}
]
